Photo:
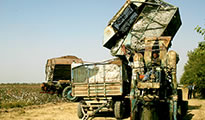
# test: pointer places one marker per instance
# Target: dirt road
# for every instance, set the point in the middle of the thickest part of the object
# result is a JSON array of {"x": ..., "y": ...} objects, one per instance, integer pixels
[
  {"x": 61, "y": 111},
  {"x": 196, "y": 110},
  {"x": 68, "y": 111}
]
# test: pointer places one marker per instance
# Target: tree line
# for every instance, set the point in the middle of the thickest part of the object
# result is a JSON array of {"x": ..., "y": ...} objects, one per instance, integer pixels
[{"x": 194, "y": 69}]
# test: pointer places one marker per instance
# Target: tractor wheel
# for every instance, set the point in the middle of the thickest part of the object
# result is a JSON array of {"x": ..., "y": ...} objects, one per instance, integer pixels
[
  {"x": 79, "y": 110},
  {"x": 67, "y": 94},
  {"x": 132, "y": 112},
  {"x": 133, "y": 115},
  {"x": 119, "y": 109},
  {"x": 184, "y": 108}
]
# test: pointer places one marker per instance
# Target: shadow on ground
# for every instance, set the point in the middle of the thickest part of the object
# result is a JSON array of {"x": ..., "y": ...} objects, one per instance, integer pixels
[
  {"x": 192, "y": 107},
  {"x": 110, "y": 115},
  {"x": 189, "y": 115}
]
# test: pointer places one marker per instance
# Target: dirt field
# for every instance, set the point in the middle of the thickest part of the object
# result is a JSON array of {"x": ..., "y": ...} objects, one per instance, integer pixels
[{"x": 67, "y": 111}]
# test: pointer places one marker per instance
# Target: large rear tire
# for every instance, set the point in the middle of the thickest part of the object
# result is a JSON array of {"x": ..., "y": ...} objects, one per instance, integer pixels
[
  {"x": 67, "y": 94},
  {"x": 119, "y": 109}
]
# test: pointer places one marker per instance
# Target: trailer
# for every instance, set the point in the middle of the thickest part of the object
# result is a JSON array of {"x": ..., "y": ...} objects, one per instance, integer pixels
[{"x": 104, "y": 87}]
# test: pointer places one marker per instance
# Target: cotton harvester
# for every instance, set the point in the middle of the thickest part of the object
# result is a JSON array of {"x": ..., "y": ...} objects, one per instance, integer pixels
[
  {"x": 140, "y": 29},
  {"x": 59, "y": 76}
]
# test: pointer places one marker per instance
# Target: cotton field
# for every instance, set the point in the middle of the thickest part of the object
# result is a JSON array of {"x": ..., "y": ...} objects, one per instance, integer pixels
[{"x": 20, "y": 95}]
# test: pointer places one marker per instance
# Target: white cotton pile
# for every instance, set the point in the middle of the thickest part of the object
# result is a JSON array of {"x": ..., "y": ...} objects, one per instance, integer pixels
[{"x": 107, "y": 73}]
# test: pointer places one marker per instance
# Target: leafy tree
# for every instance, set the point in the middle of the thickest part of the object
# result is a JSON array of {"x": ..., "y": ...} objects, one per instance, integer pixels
[
  {"x": 194, "y": 69},
  {"x": 200, "y": 30}
]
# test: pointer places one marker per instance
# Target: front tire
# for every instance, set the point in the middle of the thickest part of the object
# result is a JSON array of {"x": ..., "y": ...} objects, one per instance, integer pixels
[{"x": 67, "y": 94}]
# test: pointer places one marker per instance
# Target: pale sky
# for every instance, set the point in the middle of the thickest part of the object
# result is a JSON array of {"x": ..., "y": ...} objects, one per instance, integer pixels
[{"x": 32, "y": 31}]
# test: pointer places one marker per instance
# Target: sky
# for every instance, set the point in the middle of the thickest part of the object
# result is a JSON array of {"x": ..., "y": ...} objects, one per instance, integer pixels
[{"x": 32, "y": 31}]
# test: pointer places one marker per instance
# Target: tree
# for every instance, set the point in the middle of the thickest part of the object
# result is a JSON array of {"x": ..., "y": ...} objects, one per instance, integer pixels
[
  {"x": 200, "y": 30},
  {"x": 194, "y": 69}
]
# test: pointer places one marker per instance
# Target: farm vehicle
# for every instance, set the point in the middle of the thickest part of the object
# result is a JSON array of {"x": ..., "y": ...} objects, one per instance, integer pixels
[
  {"x": 140, "y": 35},
  {"x": 142, "y": 32},
  {"x": 58, "y": 76},
  {"x": 103, "y": 86},
  {"x": 154, "y": 92}
]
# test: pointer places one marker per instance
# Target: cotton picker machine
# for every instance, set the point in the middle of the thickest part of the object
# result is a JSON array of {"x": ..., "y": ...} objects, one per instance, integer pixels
[
  {"x": 140, "y": 29},
  {"x": 59, "y": 76}
]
